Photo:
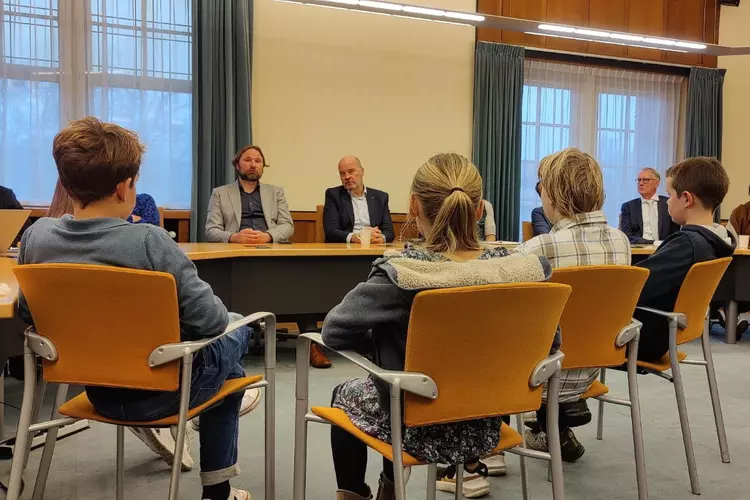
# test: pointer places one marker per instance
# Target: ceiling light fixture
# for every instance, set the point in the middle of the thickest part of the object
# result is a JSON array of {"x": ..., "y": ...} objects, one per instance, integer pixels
[{"x": 583, "y": 33}]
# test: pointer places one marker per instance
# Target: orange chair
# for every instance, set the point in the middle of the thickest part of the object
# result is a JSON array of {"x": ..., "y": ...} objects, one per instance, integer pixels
[
  {"x": 86, "y": 336},
  {"x": 528, "y": 230},
  {"x": 437, "y": 386},
  {"x": 687, "y": 322},
  {"x": 597, "y": 329}
]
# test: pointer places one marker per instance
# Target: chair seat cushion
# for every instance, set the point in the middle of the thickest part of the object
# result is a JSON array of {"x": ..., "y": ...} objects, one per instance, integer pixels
[
  {"x": 663, "y": 364},
  {"x": 81, "y": 407},
  {"x": 596, "y": 389},
  {"x": 509, "y": 438}
]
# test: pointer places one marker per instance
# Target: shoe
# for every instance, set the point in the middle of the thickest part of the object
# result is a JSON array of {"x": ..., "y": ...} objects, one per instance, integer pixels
[
  {"x": 495, "y": 464},
  {"x": 529, "y": 420},
  {"x": 317, "y": 358},
  {"x": 187, "y": 459},
  {"x": 349, "y": 495},
  {"x": 570, "y": 448},
  {"x": 475, "y": 482},
  {"x": 536, "y": 440},
  {"x": 161, "y": 442},
  {"x": 743, "y": 322},
  {"x": 250, "y": 401},
  {"x": 386, "y": 489},
  {"x": 235, "y": 494}
]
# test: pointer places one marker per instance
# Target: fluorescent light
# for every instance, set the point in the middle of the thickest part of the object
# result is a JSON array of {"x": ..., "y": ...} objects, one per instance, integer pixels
[
  {"x": 423, "y": 10},
  {"x": 660, "y": 41},
  {"x": 464, "y": 16},
  {"x": 690, "y": 45},
  {"x": 587, "y": 32},
  {"x": 380, "y": 5},
  {"x": 629, "y": 38},
  {"x": 553, "y": 27}
]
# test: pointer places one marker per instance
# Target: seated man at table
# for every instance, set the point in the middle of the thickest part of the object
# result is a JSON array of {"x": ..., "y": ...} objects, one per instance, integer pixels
[
  {"x": 98, "y": 164},
  {"x": 646, "y": 219},
  {"x": 247, "y": 211},
  {"x": 696, "y": 187},
  {"x": 351, "y": 207},
  {"x": 8, "y": 201}
]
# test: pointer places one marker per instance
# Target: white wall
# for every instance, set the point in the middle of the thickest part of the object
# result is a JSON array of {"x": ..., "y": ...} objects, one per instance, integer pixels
[
  {"x": 735, "y": 30},
  {"x": 328, "y": 83}
]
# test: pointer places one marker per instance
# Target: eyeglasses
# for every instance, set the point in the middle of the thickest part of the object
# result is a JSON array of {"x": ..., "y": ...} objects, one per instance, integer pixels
[{"x": 644, "y": 181}]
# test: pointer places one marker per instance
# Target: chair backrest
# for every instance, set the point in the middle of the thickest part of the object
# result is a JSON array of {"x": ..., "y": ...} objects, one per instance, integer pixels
[
  {"x": 528, "y": 230},
  {"x": 601, "y": 305},
  {"x": 320, "y": 235},
  {"x": 161, "y": 217},
  {"x": 695, "y": 295},
  {"x": 480, "y": 345},
  {"x": 104, "y": 322}
]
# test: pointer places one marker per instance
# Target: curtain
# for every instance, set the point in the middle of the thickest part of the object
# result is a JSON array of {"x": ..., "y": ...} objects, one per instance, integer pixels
[
  {"x": 704, "y": 112},
  {"x": 222, "y": 125},
  {"x": 627, "y": 120},
  {"x": 124, "y": 61},
  {"x": 498, "y": 91}
]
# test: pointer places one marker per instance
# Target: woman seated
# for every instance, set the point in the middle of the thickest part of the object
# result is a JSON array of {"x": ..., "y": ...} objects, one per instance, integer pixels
[
  {"x": 539, "y": 220},
  {"x": 486, "y": 224},
  {"x": 446, "y": 201},
  {"x": 145, "y": 211}
]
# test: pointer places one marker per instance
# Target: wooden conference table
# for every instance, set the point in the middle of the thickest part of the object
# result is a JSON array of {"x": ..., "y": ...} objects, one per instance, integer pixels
[{"x": 306, "y": 280}]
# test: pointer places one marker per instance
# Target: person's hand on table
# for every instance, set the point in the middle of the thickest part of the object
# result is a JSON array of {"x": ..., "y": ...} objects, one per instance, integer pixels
[
  {"x": 377, "y": 236},
  {"x": 250, "y": 237}
]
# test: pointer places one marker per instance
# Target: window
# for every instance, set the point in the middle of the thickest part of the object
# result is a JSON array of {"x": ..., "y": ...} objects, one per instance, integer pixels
[
  {"x": 626, "y": 120},
  {"x": 124, "y": 61}
]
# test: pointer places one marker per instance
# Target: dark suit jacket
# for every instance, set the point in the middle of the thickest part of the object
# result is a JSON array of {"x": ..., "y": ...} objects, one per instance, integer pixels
[
  {"x": 631, "y": 221},
  {"x": 338, "y": 214},
  {"x": 8, "y": 201}
]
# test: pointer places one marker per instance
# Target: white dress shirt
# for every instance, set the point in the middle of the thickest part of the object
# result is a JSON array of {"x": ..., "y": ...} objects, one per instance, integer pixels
[
  {"x": 361, "y": 213},
  {"x": 650, "y": 211}
]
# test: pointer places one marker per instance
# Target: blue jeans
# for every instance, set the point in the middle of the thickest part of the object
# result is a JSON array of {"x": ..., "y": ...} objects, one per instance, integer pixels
[{"x": 219, "y": 361}]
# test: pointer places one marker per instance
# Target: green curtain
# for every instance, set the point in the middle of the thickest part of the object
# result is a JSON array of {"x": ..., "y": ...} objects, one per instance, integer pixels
[
  {"x": 498, "y": 96},
  {"x": 705, "y": 110},
  {"x": 222, "y": 70}
]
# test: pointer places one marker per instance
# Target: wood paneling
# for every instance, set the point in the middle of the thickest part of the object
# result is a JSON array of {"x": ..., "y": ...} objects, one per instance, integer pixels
[{"x": 695, "y": 20}]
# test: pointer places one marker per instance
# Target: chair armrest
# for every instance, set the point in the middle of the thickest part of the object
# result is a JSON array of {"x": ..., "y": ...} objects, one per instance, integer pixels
[
  {"x": 679, "y": 318},
  {"x": 546, "y": 368},
  {"x": 170, "y": 352},
  {"x": 416, "y": 383},
  {"x": 628, "y": 333}
]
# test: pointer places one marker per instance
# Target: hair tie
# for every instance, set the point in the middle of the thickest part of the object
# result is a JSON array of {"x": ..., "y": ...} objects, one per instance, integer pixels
[{"x": 457, "y": 189}]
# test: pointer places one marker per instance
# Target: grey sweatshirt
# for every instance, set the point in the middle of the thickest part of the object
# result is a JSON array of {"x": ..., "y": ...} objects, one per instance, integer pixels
[{"x": 115, "y": 242}]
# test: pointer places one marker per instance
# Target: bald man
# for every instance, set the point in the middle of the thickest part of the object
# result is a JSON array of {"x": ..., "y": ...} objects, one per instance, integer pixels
[{"x": 352, "y": 206}]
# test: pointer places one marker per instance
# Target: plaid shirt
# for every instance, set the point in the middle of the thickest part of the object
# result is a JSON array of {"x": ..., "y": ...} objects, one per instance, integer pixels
[{"x": 584, "y": 240}]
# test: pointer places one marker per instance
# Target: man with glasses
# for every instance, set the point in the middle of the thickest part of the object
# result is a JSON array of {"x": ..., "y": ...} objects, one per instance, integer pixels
[{"x": 646, "y": 219}]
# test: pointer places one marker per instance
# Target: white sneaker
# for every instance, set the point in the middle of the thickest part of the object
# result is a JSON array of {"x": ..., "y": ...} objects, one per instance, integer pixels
[
  {"x": 496, "y": 465},
  {"x": 250, "y": 401},
  {"x": 475, "y": 485},
  {"x": 161, "y": 442}
]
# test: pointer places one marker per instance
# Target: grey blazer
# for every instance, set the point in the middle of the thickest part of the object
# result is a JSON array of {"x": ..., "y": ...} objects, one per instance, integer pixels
[{"x": 225, "y": 213}]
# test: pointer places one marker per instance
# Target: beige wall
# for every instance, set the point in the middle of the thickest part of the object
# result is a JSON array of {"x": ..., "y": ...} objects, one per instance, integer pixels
[
  {"x": 328, "y": 83},
  {"x": 735, "y": 30}
]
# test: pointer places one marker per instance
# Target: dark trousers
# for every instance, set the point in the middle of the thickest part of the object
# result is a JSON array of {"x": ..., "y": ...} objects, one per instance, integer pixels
[
  {"x": 573, "y": 414},
  {"x": 654, "y": 341}
]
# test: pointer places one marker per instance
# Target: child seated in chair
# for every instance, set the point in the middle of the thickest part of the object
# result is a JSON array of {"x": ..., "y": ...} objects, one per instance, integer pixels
[
  {"x": 572, "y": 192},
  {"x": 446, "y": 200},
  {"x": 696, "y": 187},
  {"x": 98, "y": 165}
]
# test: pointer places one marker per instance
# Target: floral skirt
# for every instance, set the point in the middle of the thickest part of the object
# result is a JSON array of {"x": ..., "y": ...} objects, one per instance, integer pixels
[{"x": 442, "y": 443}]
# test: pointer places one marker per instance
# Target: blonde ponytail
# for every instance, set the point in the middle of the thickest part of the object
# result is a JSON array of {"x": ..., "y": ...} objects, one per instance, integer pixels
[{"x": 449, "y": 189}]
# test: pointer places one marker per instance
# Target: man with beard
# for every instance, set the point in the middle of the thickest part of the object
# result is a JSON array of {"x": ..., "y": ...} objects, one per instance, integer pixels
[{"x": 247, "y": 211}]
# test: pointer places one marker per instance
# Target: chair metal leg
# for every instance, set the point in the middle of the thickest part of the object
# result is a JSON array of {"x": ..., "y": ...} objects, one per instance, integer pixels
[
  {"x": 22, "y": 434},
  {"x": 684, "y": 422},
  {"x": 459, "y": 481},
  {"x": 715, "y": 401},
  {"x": 270, "y": 417},
  {"x": 396, "y": 437},
  {"x": 600, "y": 416},
  {"x": 300, "y": 423},
  {"x": 553, "y": 437},
  {"x": 731, "y": 322},
  {"x": 431, "y": 482},
  {"x": 41, "y": 388},
  {"x": 120, "y": 473},
  {"x": 524, "y": 472},
  {"x": 187, "y": 372},
  {"x": 635, "y": 419},
  {"x": 49, "y": 445}
]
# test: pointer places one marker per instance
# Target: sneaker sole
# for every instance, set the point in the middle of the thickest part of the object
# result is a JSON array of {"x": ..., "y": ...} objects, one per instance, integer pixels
[
  {"x": 450, "y": 487},
  {"x": 196, "y": 423},
  {"x": 161, "y": 450}
]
